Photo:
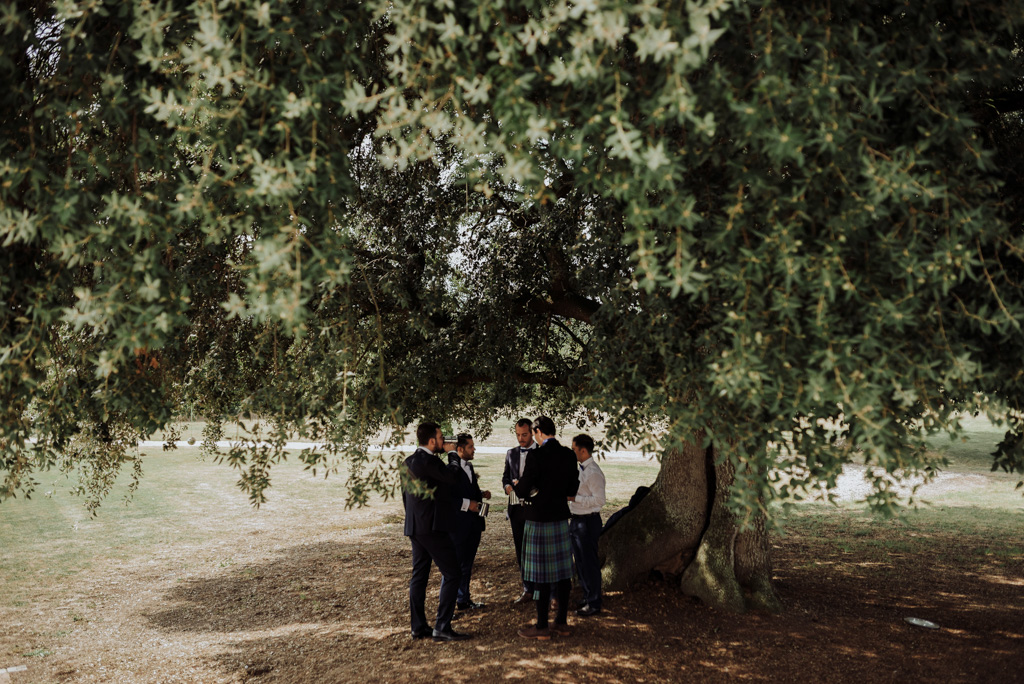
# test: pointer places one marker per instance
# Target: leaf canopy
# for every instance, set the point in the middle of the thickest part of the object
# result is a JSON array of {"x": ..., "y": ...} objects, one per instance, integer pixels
[{"x": 789, "y": 225}]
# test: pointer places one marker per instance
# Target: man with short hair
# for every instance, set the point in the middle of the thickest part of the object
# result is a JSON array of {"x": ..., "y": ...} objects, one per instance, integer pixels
[
  {"x": 469, "y": 524},
  {"x": 427, "y": 495},
  {"x": 548, "y": 481},
  {"x": 585, "y": 524},
  {"x": 515, "y": 462}
]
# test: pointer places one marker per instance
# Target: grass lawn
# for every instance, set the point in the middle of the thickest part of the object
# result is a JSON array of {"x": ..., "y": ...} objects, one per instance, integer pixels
[
  {"x": 185, "y": 500},
  {"x": 188, "y": 520}
]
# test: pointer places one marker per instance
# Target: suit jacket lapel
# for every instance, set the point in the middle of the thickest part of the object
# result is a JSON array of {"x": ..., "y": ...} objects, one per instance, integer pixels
[{"x": 462, "y": 471}]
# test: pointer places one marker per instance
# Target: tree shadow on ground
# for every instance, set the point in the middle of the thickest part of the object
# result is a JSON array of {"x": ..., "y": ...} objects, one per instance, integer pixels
[
  {"x": 308, "y": 583},
  {"x": 332, "y": 612}
]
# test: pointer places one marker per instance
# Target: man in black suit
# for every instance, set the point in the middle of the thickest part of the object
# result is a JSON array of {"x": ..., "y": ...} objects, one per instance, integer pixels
[
  {"x": 515, "y": 461},
  {"x": 549, "y": 481},
  {"x": 469, "y": 524},
  {"x": 427, "y": 494}
]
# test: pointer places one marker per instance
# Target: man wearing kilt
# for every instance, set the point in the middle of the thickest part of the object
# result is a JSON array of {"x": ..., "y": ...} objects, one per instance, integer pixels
[{"x": 548, "y": 481}]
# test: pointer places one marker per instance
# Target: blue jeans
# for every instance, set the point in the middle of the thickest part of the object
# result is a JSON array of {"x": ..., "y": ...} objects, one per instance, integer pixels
[{"x": 584, "y": 532}]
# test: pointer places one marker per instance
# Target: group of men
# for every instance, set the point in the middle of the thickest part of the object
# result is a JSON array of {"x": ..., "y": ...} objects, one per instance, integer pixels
[{"x": 555, "y": 498}]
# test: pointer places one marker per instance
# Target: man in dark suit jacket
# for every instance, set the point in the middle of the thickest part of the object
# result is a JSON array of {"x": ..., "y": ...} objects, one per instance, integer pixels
[
  {"x": 427, "y": 494},
  {"x": 469, "y": 524},
  {"x": 515, "y": 461},
  {"x": 550, "y": 479}
]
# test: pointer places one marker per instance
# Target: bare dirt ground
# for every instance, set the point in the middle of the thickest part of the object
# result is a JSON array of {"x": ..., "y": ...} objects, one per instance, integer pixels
[{"x": 324, "y": 599}]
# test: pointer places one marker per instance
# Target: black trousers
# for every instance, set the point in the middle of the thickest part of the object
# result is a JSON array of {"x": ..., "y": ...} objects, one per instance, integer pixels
[
  {"x": 517, "y": 519},
  {"x": 585, "y": 531},
  {"x": 436, "y": 547},
  {"x": 467, "y": 541}
]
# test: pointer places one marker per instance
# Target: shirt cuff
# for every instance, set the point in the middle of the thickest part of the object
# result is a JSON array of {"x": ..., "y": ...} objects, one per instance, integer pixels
[{"x": 465, "y": 504}]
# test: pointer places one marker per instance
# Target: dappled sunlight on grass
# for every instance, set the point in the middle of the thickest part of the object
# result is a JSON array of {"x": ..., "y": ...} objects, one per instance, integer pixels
[
  {"x": 302, "y": 590},
  {"x": 997, "y": 579},
  {"x": 1010, "y": 635}
]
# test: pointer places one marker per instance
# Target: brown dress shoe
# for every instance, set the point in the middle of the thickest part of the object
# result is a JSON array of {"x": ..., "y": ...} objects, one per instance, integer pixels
[
  {"x": 560, "y": 630},
  {"x": 532, "y": 632}
]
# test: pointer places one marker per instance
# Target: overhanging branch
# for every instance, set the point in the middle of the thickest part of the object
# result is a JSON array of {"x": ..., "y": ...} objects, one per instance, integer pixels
[
  {"x": 518, "y": 376},
  {"x": 568, "y": 305},
  {"x": 1008, "y": 102}
]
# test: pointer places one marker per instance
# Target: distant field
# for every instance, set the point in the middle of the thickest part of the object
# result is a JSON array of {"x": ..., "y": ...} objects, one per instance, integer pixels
[
  {"x": 189, "y": 572},
  {"x": 183, "y": 499},
  {"x": 502, "y": 433}
]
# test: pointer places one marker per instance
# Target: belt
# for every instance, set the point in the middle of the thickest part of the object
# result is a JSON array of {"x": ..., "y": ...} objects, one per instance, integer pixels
[{"x": 585, "y": 515}]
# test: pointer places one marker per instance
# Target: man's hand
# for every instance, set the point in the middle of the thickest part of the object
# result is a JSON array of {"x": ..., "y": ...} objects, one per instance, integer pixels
[
  {"x": 474, "y": 506},
  {"x": 487, "y": 495},
  {"x": 508, "y": 489}
]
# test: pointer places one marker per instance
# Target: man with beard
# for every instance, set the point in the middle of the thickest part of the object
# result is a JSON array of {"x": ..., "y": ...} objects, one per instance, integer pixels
[
  {"x": 469, "y": 521},
  {"x": 515, "y": 462},
  {"x": 429, "y": 500}
]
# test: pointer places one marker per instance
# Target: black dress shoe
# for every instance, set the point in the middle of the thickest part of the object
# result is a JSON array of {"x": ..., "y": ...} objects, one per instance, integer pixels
[
  {"x": 423, "y": 633},
  {"x": 450, "y": 635},
  {"x": 587, "y": 611},
  {"x": 469, "y": 605},
  {"x": 524, "y": 597}
]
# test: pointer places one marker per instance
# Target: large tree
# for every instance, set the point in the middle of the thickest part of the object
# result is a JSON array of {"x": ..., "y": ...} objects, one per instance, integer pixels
[{"x": 778, "y": 236}]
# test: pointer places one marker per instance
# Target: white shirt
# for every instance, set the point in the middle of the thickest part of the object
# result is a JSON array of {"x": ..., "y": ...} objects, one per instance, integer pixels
[
  {"x": 465, "y": 467},
  {"x": 590, "y": 496},
  {"x": 522, "y": 456},
  {"x": 523, "y": 453},
  {"x": 469, "y": 473}
]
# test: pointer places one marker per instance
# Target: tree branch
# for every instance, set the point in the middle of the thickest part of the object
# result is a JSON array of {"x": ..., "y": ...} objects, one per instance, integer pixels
[
  {"x": 1007, "y": 102},
  {"x": 518, "y": 376},
  {"x": 567, "y": 305},
  {"x": 570, "y": 333}
]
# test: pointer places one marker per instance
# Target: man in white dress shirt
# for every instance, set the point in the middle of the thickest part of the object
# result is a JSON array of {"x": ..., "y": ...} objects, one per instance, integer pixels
[
  {"x": 515, "y": 462},
  {"x": 585, "y": 525},
  {"x": 469, "y": 523}
]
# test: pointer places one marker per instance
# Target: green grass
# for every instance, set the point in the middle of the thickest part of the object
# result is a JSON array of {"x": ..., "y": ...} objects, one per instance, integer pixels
[
  {"x": 973, "y": 451},
  {"x": 502, "y": 432},
  {"x": 194, "y": 430},
  {"x": 968, "y": 535},
  {"x": 978, "y": 513},
  {"x": 186, "y": 502},
  {"x": 180, "y": 500},
  {"x": 183, "y": 501}
]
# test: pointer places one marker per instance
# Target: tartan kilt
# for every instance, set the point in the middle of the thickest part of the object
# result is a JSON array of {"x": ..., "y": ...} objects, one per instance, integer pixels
[{"x": 547, "y": 551}]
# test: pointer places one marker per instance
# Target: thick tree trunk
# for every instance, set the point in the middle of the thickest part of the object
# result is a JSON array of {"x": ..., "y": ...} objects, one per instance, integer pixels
[
  {"x": 684, "y": 524},
  {"x": 666, "y": 526}
]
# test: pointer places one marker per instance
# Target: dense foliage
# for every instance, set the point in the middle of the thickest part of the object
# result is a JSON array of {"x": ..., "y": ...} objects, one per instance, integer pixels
[{"x": 745, "y": 218}]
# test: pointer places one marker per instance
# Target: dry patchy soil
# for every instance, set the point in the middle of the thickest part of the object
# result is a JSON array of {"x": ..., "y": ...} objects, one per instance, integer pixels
[{"x": 322, "y": 598}]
